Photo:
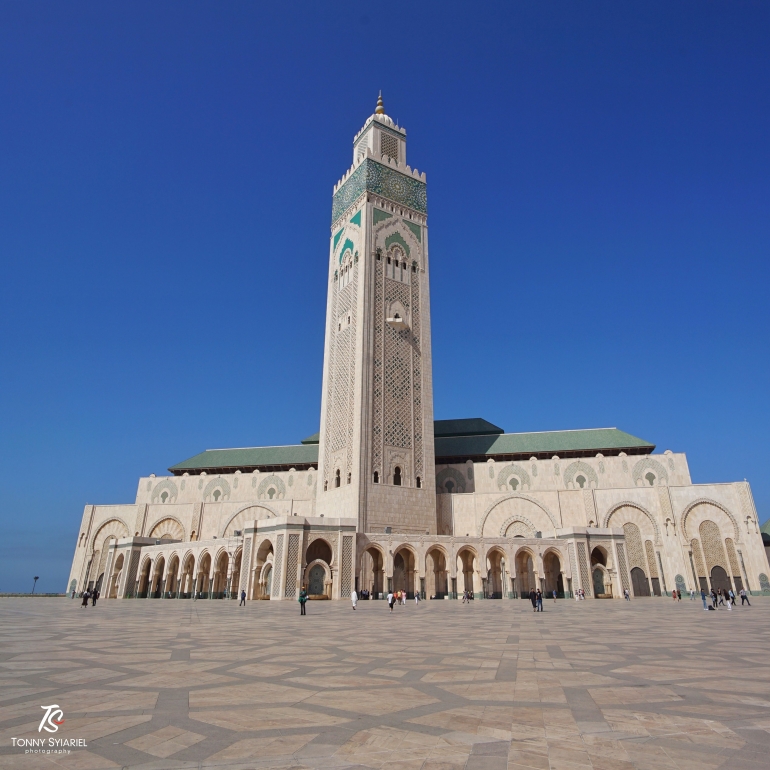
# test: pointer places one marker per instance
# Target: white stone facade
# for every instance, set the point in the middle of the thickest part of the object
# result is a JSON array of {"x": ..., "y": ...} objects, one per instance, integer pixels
[{"x": 371, "y": 509}]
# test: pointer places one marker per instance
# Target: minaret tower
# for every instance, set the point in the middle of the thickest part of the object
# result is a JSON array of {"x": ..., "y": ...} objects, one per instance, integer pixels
[{"x": 376, "y": 461}]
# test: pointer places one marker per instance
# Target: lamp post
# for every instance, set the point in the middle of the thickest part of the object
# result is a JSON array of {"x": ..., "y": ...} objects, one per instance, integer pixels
[{"x": 33, "y": 585}]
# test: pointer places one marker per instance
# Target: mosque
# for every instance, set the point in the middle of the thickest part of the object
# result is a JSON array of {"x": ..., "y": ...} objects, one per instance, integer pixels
[{"x": 385, "y": 497}]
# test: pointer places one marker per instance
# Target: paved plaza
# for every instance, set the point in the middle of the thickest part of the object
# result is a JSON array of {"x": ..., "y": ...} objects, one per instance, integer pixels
[{"x": 443, "y": 686}]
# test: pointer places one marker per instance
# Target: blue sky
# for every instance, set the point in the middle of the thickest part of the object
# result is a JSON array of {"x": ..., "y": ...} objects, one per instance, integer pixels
[{"x": 598, "y": 178}]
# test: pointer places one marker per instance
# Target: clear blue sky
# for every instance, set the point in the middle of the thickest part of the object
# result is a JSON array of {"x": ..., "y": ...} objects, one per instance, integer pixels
[{"x": 598, "y": 178}]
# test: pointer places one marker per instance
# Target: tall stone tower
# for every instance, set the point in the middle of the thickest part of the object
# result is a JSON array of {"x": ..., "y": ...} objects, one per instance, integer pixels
[{"x": 376, "y": 461}]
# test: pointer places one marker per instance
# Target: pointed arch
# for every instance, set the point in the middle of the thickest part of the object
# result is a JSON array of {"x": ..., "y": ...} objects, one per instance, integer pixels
[
  {"x": 642, "y": 509},
  {"x": 515, "y": 496},
  {"x": 708, "y": 501}
]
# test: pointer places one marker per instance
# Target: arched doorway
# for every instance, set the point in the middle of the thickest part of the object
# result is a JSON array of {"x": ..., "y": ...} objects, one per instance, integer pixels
[
  {"x": 372, "y": 571},
  {"x": 266, "y": 583},
  {"x": 553, "y": 577},
  {"x": 719, "y": 579},
  {"x": 156, "y": 591},
  {"x": 219, "y": 585},
  {"x": 639, "y": 582},
  {"x": 144, "y": 580},
  {"x": 262, "y": 582},
  {"x": 235, "y": 577},
  {"x": 115, "y": 580},
  {"x": 599, "y": 576},
  {"x": 525, "y": 574},
  {"x": 404, "y": 572},
  {"x": 318, "y": 576},
  {"x": 172, "y": 583},
  {"x": 466, "y": 562},
  {"x": 316, "y": 580},
  {"x": 186, "y": 582},
  {"x": 495, "y": 574},
  {"x": 202, "y": 583},
  {"x": 436, "y": 576}
]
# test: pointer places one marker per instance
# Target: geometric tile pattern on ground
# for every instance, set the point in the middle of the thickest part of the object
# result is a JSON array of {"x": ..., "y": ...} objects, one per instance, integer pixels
[{"x": 490, "y": 685}]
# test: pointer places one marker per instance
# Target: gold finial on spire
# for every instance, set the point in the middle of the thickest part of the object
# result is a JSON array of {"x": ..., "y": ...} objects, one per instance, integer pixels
[{"x": 380, "y": 107}]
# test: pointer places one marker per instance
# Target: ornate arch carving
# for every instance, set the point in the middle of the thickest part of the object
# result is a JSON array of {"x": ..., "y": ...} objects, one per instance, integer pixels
[
  {"x": 450, "y": 474},
  {"x": 630, "y": 504},
  {"x": 170, "y": 524},
  {"x": 638, "y": 470},
  {"x": 383, "y": 237},
  {"x": 243, "y": 519},
  {"x": 165, "y": 485},
  {"x": 572, "y": 470},
  {"x": 224, "y": 484},
  {"x": 515, "y": 496},
  {"x": 114, "y": 526},
  {"x": 267, "y": 482},
  {"x": 512, "y": 520},
  {"x": 504, "y": 477},
  {"x": 708, "y": 501}
]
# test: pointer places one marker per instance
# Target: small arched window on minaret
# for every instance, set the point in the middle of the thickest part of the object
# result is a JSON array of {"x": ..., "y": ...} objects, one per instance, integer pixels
[
  {"x": 418, "y": 482},
  {"x": 350, "y": 477},
  {"x": 337, "y": 478},
  {"x": 376, "y": 477},
  {"x": 397, "y": 476}
]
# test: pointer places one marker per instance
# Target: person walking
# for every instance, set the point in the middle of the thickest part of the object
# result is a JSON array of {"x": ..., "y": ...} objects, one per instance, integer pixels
[
  {"x": 554, "y": 596},
  {"x": 539, "y": 600},
  {"x": 692, "y": 594},
  {"x": 721, "y": 595},
  {"x": 533, "y": 599},
  {"x": 94, "y": 597},
  {"x": 242, "y": 602},
  {"x": 302, "y": 601},
  {"x": 416, "y": 598},
  {"x": 731, "y": 595},
  {"x": 391, "y": 600},
  {"x": 86, "y": 597},
  {"x": 713, "y": 598},
  {"x": 626, "y": 595},
  {"x": 729, "y": 601},
  {"x": 703, "y": 596},
  {"x": 744, "y": 597},
  {"x": 673, "y": 594},
  {"x": 353, "y": 599},
  {"x": 678, "y": 595}
]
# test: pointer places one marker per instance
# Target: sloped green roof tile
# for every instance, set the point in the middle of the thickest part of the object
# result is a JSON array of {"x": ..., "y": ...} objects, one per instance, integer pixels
[
  {"x": 250, "y": 457},
  {"x": 470, "y": 426},
  {"x": 547, "y": 442}
]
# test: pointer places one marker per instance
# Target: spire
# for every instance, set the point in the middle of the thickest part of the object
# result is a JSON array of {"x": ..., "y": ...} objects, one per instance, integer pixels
[{"x": 380, "y": 110}]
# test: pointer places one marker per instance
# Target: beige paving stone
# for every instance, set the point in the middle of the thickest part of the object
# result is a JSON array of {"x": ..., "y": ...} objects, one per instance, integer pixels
[
  {"x": 166, "y": 741},
  {"x": 374, "y": 702},
  {"x": 262, "y": 669},
  {"x": 255, "y": 693},
  {"x": 269, "y": 719},
  {"x": 439, "y": 691},
  {"x": 260, "y": 748}
]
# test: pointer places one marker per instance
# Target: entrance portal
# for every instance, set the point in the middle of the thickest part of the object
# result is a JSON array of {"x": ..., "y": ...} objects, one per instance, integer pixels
[
  {"x": 719, "y": 579},
  {"x": 317, "y": 580},
  {"x": 639, "y": 582}
]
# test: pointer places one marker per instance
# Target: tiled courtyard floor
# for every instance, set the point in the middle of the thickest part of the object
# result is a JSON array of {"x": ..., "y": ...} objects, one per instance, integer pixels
[{"x": 442, "y": 686}]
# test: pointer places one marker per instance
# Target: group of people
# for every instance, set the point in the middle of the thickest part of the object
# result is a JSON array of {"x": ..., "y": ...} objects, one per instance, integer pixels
[
  {"x": 92, "y": 595},
  {"x": 467, "y": 596},
  {"x": 580, "y": 594},
  {"x": 723, "y": 597},
  {"x": 536, "y": 597},
  {"x": 399, "y": 597}
]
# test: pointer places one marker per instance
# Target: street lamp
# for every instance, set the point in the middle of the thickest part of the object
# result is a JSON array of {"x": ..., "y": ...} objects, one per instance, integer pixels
[{"x": 33, "y": 585}]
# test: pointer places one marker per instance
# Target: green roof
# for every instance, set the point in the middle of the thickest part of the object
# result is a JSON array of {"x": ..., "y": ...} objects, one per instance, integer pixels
[
  {"x": 470, "y": 426},
  {"x": 314, "y": 439},
  {"x": 486, "y": 441},
  {"x": 557, "y": 442},
  {"x": 293, "y": 456}
]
